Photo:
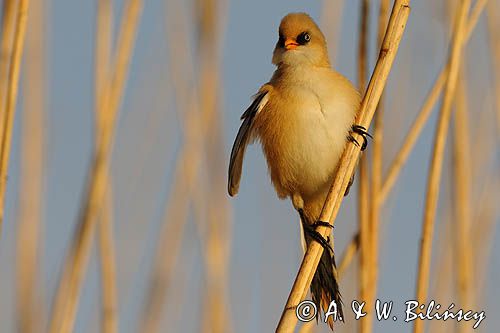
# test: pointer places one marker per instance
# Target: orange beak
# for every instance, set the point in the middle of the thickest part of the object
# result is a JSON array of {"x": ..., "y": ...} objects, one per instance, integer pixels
[{"x": 290, "y": 44}]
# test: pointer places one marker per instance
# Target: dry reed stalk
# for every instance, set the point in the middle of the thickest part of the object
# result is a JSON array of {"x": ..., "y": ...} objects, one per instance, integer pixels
[
  {"x": 363, "y": 181},
  {"x": 67, "y": 296},
  {"x": 186, "y": 175},
  {"x": 9, "y": 11},
  {"x": 216, "y": 315},
  {"x": 7, "y": 112},
  {"x": 395, "y": 29},
  {"x": 376, "y": 172},
  {"x": 103, "y": 48},
  {"x": 109, "y": 315},
  {"x": 29, "y": 280},
  {"x": 462, "y": 183},
  {"x": 437, "y": 157}
]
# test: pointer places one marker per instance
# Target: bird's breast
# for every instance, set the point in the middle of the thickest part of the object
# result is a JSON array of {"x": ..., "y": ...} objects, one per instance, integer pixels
[{"x": 303, "y": 133}]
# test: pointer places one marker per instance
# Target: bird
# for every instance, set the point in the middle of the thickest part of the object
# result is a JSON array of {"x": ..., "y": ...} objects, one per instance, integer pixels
[{"x": 303, "y": 118}]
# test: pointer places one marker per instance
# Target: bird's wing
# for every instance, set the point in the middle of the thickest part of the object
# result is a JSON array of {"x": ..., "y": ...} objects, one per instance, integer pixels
[{"x": 241, "y": 141}]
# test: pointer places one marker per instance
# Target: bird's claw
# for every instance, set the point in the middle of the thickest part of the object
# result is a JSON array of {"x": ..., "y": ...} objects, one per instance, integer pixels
[
  {"x": 362, "y": 132},
  {"x": 310, "y": 229}
]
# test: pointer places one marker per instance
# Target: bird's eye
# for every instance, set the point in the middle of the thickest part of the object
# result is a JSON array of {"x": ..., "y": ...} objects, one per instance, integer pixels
[
  {"x": 303, "y": 38},
  {"x": 281, "y": 41}
]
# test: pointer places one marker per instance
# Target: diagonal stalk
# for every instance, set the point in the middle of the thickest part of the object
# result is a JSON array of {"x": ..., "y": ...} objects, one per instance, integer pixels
[{"x": 11, "y": 63}]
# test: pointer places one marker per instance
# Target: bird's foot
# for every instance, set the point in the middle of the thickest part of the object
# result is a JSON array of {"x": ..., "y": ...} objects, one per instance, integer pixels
[
  {"x": 310, "y": 229},
  {"x": 361, "y": 131}
]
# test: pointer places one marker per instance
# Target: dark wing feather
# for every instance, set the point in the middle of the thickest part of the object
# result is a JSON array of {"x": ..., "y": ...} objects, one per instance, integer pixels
[{"x": 240, "y": 144}]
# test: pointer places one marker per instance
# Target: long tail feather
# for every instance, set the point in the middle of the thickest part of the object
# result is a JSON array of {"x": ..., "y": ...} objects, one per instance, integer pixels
[{"x": 325, "y": 288}]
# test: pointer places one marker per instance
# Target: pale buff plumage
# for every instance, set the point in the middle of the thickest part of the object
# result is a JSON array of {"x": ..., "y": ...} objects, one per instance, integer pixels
[{"x": 302, "y": 118}]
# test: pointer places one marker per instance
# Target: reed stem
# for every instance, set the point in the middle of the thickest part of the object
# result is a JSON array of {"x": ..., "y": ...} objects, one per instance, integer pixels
[
  {"x": 29, "y": 278},
  {"x": 103, "y": 50},
  {"x": 437, "y": 158},
  {"x": 12, "y": 63}
]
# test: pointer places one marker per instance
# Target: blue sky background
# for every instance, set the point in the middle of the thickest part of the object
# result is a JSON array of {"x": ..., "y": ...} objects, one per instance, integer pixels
[{"x": 265, "y": 251}]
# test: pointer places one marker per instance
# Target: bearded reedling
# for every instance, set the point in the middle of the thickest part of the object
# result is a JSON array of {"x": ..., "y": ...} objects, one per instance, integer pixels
[{"x": 303, "y": 118}]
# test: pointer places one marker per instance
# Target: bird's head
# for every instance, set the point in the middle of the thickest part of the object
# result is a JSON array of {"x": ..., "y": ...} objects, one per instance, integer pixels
[{"x": 300, "y": 42}]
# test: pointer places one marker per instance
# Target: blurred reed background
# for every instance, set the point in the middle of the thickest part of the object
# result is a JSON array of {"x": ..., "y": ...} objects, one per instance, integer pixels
[{"x": 116, "y": 120}]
